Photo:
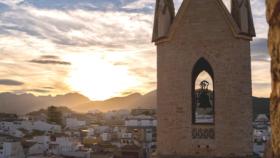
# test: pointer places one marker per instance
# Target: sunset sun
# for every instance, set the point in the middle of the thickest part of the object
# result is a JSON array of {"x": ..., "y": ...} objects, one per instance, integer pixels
[{"x": 98, "y": 79}]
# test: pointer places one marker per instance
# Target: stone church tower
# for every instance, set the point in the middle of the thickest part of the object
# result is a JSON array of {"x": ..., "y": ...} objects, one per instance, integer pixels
[{"x": 204, "y": 79}]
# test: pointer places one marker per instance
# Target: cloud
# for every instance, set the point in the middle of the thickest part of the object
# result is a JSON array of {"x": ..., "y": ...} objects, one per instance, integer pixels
[
  {"x": 10, "y": 82},
  {"x": 49, "y": 59},
  {"x": 99, "y": 5},
  {"x": 38, "y": 61},
  {"x": 128, "y": 93},
  {"x": 79, "y": 28},
  {"x": 48, "y": 87},
  {"x": 143, "y": 71},
  {"x": 38, "y": 90},
  {"x": 260, "y": 50},
  {"x": 140, "y": 4},
  {"x": 259, "y": 45},
  {"x": 23, "y": 91},
  {"x": 4, "y": 7}
]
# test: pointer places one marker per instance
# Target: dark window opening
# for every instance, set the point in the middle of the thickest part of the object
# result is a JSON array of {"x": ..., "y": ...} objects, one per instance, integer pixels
[{"x": 202, "y": 93}]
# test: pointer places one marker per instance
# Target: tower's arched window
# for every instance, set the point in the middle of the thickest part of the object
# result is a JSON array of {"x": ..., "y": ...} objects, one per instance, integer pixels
[{"x": 202, "y": 93}]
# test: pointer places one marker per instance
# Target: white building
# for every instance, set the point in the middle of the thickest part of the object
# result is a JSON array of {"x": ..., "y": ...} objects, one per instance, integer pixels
[
  {"x": 73, "y": 123},
  {"x": 54, "y": 145},
  {"x": 90, "y": 132},
  {"x": 44, "y": 126},
  {"x": 101, "y": 129},
  {"x": 36, "y": 149},
  {"x": 42, "y": 140},
  {"x": 27, "y": 125},
  {"x": 106, "y": 136},
  {"x": 8, "y": 126},
  {"x": 11, "y": 150},
  {"x": 126, "y": 139},
  {"x": 116, "y": 113},
  {"x": 63, "y": 144},
  {"x": 141, "y": 121},
  {"x": 12, "y": 128}
]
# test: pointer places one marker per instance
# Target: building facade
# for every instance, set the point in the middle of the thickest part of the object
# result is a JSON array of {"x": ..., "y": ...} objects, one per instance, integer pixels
[{"x": 204, "y": 79}]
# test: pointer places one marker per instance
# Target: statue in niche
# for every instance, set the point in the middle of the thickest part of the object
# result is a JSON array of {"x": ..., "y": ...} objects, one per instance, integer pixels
[{"x": 204, "y": 99}]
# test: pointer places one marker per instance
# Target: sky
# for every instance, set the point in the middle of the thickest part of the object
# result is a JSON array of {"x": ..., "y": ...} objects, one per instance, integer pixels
[{"x": 99, "y": 48}]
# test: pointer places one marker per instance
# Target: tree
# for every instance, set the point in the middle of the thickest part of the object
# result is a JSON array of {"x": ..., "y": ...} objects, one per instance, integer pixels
[
  {"x": 273, "y": 18},
  {"x": 54, "y": 115}
]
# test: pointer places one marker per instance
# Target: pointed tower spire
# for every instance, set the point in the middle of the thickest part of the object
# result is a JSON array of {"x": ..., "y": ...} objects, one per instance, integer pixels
[
  {"x": 242, "y": 14},
  {"x": 164, "y": 16}
]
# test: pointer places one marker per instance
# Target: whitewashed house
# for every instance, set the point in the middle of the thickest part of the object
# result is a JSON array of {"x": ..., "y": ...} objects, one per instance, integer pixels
[
  {"x": 141, "y": 121},
  {"x": 36, "y": 149},
  {"x": 44, "y": 126},
  {"x": 13, "y": 128},
  {"x": 7, "y": 126},
  {"x": 126, "y": 139},
  {"x": 106, "y": 137},
  {"x": 11, "y": 150},
  {"x": 101, "y": 129},
  {"x": 54, "y": 145},
  {"x": 74, "y": 123}
]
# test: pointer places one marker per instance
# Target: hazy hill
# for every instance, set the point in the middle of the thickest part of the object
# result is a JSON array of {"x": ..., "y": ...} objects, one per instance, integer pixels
[
  {"x": 24, "y": 103},
  {"x": 129, "y": 102},
  {"x": 62, "y": 109},
  {"x": 261, "y": 106},
  {"x": 21, "y": 104}
]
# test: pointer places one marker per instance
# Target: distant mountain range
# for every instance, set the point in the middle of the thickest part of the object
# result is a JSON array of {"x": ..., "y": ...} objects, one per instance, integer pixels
[
  {"x": 25, "y": 103},
  {"x": 260, "y": 106},
  {"x": 132, "y": 101}
]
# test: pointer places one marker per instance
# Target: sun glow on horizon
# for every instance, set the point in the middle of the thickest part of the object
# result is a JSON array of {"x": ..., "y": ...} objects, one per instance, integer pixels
[{"x": 97, "y": 78}]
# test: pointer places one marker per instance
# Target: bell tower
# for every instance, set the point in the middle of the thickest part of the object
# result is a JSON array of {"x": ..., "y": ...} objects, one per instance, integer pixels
[{"x": 204, "y": 96}]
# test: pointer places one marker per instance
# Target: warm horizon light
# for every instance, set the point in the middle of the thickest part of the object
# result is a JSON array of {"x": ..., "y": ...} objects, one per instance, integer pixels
[
  {"x": 101, "y": 49},
  {"x": 99, "y": 79}
]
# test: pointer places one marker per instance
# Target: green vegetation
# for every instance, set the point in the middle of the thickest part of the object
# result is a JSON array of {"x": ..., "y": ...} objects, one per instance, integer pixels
[{"x": 54, "y": 115}]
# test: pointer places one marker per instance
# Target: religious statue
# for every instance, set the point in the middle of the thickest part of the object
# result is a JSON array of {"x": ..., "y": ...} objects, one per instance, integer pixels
[{"x": 204, "y": 99}]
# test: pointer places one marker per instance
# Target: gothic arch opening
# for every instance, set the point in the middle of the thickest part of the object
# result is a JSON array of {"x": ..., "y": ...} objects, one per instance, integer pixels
[{"x": 203, "y": 93}]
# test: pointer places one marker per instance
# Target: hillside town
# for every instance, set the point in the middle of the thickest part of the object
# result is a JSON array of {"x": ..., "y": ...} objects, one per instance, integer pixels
[
  {"x": 53, "y": 133},
  {"x": 122, "y": 133},
  {"x": 261, "y": 134}
]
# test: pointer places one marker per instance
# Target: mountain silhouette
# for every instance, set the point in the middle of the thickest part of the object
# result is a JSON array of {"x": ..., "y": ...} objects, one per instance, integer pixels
[
  {"x": 132, "y": 101},
  {"x": 25, "y": 103}
]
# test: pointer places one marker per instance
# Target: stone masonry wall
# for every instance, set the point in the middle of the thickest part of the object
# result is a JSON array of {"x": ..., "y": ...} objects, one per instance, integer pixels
[{"x": 204, "y": 32}]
